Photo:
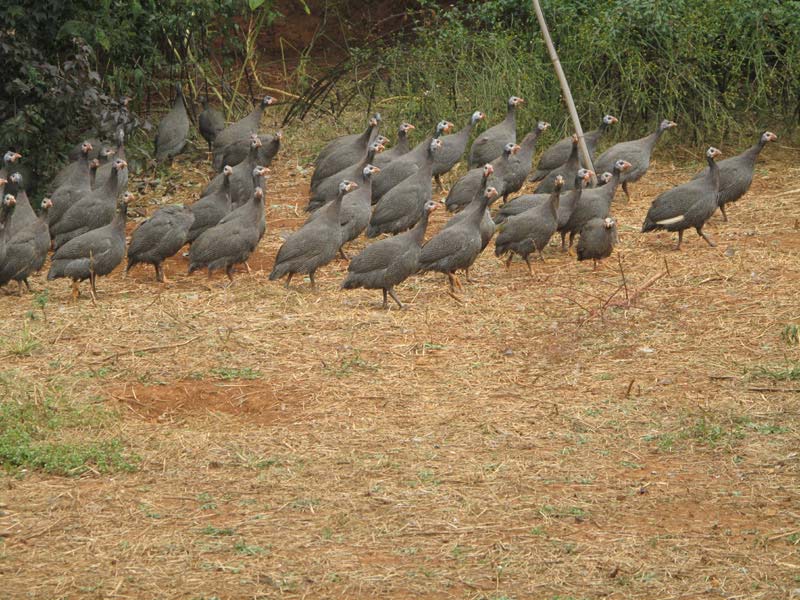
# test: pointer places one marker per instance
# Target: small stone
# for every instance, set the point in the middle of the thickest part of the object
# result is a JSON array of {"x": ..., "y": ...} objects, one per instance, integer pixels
[
  {"x": 666, "y": 381},
  {"x": 730, "y": 252},
  {"x": 508, "y": 352}
]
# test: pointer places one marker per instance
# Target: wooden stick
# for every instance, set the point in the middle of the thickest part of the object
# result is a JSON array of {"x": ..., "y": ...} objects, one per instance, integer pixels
[{"x": 148, "y": 349}]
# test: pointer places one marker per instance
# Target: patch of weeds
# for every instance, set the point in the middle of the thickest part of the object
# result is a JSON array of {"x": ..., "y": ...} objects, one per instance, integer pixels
[
  {"x": 793, "y": 539},
  {"x": 428, "y": 476},
  {"x": 247, "y": 550},
  {"x": 230, "y": 373},
  {"x": 604, "y": 377},
  {"x": 149, "y": 512},
  {"x": 791, "y": 334},
  {"x": 427, "y": 346},
  {"x": 790, "y": 372},
  {"x": 213, "y": 531},
  {"x": 538, "y": 531},
  {"x": 630, "y": 464},
  {"x": 206, "y": 501},
  {"x": 711, "y": 434},
  {"x": 304, "y": 504},
  {"x": 407, "y": 551},
  {"x": 348, "y": 364},
  {"x": 43, "y": 429},
  {"x": 24, "y": 345},
  {"x": 548, "y": 510}
]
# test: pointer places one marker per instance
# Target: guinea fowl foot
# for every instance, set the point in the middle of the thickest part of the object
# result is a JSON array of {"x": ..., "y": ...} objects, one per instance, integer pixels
[
  {"x": 724, "y": 214},
  {"x": 75, "y": 291},
  {"x": 343, "y": 255},
  {"x": 246, "y": 266},
  {"x": 395, "y": 298},
  {"x": 708, "y": 240},
  {"x": 455, "y": 296}
]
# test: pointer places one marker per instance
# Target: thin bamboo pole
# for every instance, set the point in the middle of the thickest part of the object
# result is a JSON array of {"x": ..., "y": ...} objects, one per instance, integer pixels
[{"x": 573, "y": 113}]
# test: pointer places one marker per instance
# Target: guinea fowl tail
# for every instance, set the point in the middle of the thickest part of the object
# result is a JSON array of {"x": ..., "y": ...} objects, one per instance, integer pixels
[
  {"x": 373, "y": 231},
  {"x": 649, "y": 225},
  {"x": 539, "y": 175}
]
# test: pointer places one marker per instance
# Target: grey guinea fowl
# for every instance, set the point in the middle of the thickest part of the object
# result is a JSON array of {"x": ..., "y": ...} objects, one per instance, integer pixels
[
  {"x": 465, "y": 189},
  {"x": 10, "y": 160},
  {"x": 173, "y": 129},
  {"x": 489, "y": 145},
  {"x": 566, "y": 171},
  {"x": 315, "y": 244},
  {"x": 235, "y": 153},
  {"x": 232, "y": 240},
  {"x": 390, "y": 261},
  {"x": 77, "y": 185},
  {"x": 401, "y": 148},
  {"x": 343, "y": 152},
  {"x": 7, "y": 207},
  {"x": 23, "y": 214},
  {"x": 530, "y": 231},
  {"x": 241, "y": 180},
  {"x": 75, "y": 152},
  {"x": 210, "y": 210},
  {"x": 402, "y": 168},
  {"x": 403, "y": 205},
  {"x": 688, "y": 205},
  {"x": 557, "y": 154},
  {"x": 597, "y": 240},
  {"x": 210, "y": 122},
  {"x": 95, "y": 209},
  {"x": 453, "y": 147},
  {"x": 104, "y": 172},
  {"x": 520, "y": 164},
  {"x": 26, "y": 250},
  {"x": 159, "y": 237},
  {"x": 636, "y": 152},
  {"x": 71, "y": 169},
  {"x": 96, "y": 252},
  {"x": 244, "y": 127},
  {"x": 736, "y": 173},
  {"x": 595, "y": 202},
  {"x": 456, "y": 248},
  {"x": 356, "y": 208},
  {"x": 328, "y": 188}
]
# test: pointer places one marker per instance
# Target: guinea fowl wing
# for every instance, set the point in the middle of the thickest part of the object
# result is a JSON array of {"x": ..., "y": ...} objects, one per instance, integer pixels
[{"x": 677, "y": 202}]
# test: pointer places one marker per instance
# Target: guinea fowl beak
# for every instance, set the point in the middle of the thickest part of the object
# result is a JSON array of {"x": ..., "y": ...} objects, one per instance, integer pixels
[
  {"x": 588, "y": 175},
  {"x": 121, "y": 165},
  {"x": 515, "y": 149},
  {"x": 410, "y": 127}
]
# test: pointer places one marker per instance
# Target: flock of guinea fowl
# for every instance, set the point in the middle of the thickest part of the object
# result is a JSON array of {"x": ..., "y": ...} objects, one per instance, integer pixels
[{"x": 358, "y": 186}]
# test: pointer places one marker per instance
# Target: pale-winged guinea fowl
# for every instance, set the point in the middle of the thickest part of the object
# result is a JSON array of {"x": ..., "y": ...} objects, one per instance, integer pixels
[
  {"x": 637, "y": 152},
  {"x": 405, "y": 166},
  {"x": 26, "y": 250},
  {"x": 237, "y": 152},
  {"x": 597, "y": 239},
  {"x": 390, "y": 261},
  {"x": 736, "y": 173},
  {"x": 688, "y": 205},
  {"x": 77, "y": 185},
  {"x": 96, "y": 252},
  {"x": 594, "y": 202},
  {"x": 343, "y": 152},
  {"x": 400, "y": 148},
  {"x": 520, "y": 164},
  {"x": 173, "y": 129},
  {"x": 210, "y": 122},
  {"x": 356, "y": 208},
  {"x": 95, "y": 209},
  {"x": 453, "y": 147},
  {"x": 315, "y": 244},
  {"x": 566, "y": 171},
  {"x": 467, "y": 187},
  {"x": 489, "y": 145},
  {"x": 456, "y": 248},
  {"x": 327, "y": 189},
  {"x": 241, "y": 180},
  {"x": 557, "y": 154},
  {"x": 159, "y": 237},
  {"x": 403, "y": 205},
  {"x": 235, "y": 237},
  {"x": 210, "y": 210},
  {"x": 530, "y": 231},
  {"x": 244, "y": 127}
]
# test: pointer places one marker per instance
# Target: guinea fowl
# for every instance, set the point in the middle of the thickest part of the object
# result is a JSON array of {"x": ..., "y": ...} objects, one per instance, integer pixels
[
  {"x": 315, "y": 244},
  {"x": 489, "y": 145},
  {"x": 95, "y": 209},
  {"x": 244, "y": 127},
  {"x": 96, "y": 252},
  {"x": 9, "y": 164},
  {"x": 453, "y": 147},
  {"x": 210, "y": 122},
  {"x": 736, "y": 173},
  {"x": 343, "y": 152},
  {"x": 173, "y": 129},
  {"x": 688, "y": 205},
  {"x": 557, "y": 154},
  {"x": 403, "y": 205},
  {"x": 22, "y": 215},
  {"x": 78, "y": 184},
  {"x": 75, "y": 152},
  {"x": 456, "y": 248},
  {"x": 567, "y": 172},
  {"x": 594, "y": 203},
  {"x": 159, "y": 237},
  {"x": 328, "y": 188},
  {"x": 7, "y": 207},
  {"x": 210, "y": 209},
  {"x": 468, "y": 187},
  {"x": 530, "y": 231},
  {"x": 73, "y": 170},
  {"x": 26, "y": 250},
  {"x": 235, "y": 153},
  {"x": 234, "y": 238},
  {"x": 105, "y": 170},
  {"x": 636, "y": 152},
  {"x": 241, "y": 180},
  {"x": 356, "y": 208},
  {"x": 401, "y": 148},
  {"x": 390, "y": 261},
  {"x": 597, "y": 240},
  {"x": 404, "y": 167},
  {"x": 520, "y": 165}
]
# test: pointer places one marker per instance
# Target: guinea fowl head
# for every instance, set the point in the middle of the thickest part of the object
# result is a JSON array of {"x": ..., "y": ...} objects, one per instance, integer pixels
[
  {"x": 608, "y": 222},
  {"x": 258, "y": 173},
  {"x": 666, "y": 124},
  {"x": 94, "y": 164},
  {"x": 347, "y": 186},
  {"x": 605, "y": 178},
  {"x": 490, "y": 193},
  {"x": 768, "y": 136},
  {"x": 431, "y": 206},
  {"x": 585, "y": 175},
  {"x": 120, "y": 164},
  {"x": 515, "y": 101},
  {"x": 127, "y": 198},
  {"x": 381, "y": 142},
  {"x": 9, "y": 200},
  {"x": 227, "y": 171},
  {"x": 558, "y": 183},
  {"x": 47, "y": 204},
  {"x": 610, "y": 119},
  {"x": 436, "y": 144},
  {"x": 542, "y": 125},
  {"x": 86, "y": 147},
  {"x": 622, "y": 165},
  {"x": 487, "y": 170},
  {"x": 11, "y": 157},
  {"x": 508, "y": 149},
  {"x": 369, "y": 171},
  {"x": 574, "y": 139},
  {"x": 16, "y": 178},
  {"x": 713, "y": 153},
  {"x": 255, "y": 141},
  {"x": 267, "y": 100},
  {"x": 406, "y": 127},
  {"x": 477, "y": 116},
  {"x": 258, "y": 194},
  {"x": 107, "y": 152}
]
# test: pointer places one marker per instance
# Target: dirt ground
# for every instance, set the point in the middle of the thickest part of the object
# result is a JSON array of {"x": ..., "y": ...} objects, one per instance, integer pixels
[{"x": 547, "y": 438}]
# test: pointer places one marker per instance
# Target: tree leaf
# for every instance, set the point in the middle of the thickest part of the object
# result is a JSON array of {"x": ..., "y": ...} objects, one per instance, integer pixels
[{"x": 255, "y": 4}]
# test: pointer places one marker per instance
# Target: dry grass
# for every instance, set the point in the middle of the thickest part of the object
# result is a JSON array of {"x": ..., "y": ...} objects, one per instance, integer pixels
[{"x": 525, "y": 444}]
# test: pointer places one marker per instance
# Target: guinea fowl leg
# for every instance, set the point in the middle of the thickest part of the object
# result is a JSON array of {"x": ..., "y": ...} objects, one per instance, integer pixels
[
  {"x": 289, "y": 280},
  {"x": 625, "y": 189},
  {"x": 159, "y": 273},
  {"x": 92, "y": 288},
  {"x": 508, "y": 261},
  {"x": 246, "y": 266},
  {"x": 451, "y": 279},
  {"x": 342, "y": 254},
  {"x": 75, "y": 291},
  {"x": 19, "y": 288},
  {"x": 528, "y": 262},
  {"x": 394, "y": 297},
  {"x": 680, "y": 239},
  {"x": 311, "y": 277},
  {"x": 439, "y": 182},
  {"x": 563, "y": 241},
  {"x": 229, "y": 273},
  {"x": 466, "y": 274},
  {"x": 724, "y": 214},
  {"x": 704, "y": 235},
  {"x": 385, "y": 300}
]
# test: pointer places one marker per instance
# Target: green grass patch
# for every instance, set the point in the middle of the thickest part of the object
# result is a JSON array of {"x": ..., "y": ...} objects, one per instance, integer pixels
[
  {"x": 230, "y": 373},
  {"x": 788, "y": 372}
]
